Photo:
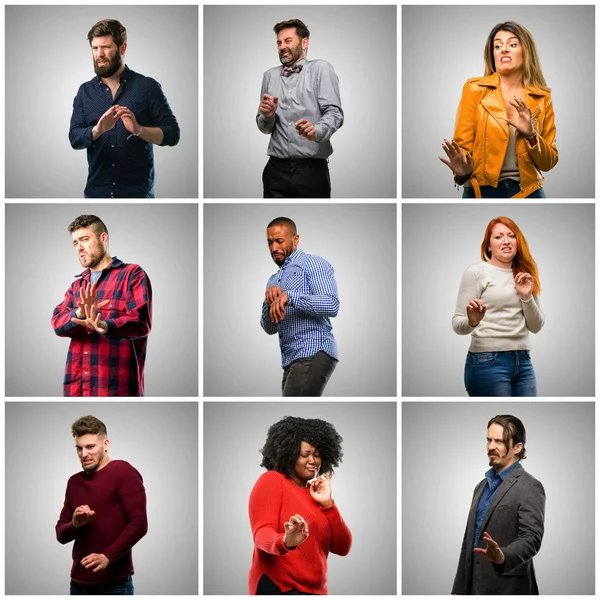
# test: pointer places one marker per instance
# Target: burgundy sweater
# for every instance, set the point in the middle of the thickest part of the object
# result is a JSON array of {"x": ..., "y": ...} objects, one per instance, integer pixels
[
  {"x": 117, "y": 494},
  {"x": 273, "y": 500}
]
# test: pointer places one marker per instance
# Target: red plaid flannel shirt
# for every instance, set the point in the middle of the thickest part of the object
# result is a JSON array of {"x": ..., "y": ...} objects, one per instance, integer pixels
[{"x": 111, "y": 364}]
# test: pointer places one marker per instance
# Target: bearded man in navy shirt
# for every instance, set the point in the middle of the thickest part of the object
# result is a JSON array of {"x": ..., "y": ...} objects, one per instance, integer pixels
[{"x": 117, "y": 117}]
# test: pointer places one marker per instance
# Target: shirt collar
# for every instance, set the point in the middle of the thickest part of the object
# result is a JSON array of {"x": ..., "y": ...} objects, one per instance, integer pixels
[
  {"x": 114, "y": 264},
  {"x": 125, "y": 75},
  {"x": 491, "y": 475},
  {"x": 292, "y": 258}
]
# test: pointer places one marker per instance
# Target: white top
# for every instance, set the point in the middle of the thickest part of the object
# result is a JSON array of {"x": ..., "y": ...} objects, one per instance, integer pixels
[{"x": 508, "y": 319}]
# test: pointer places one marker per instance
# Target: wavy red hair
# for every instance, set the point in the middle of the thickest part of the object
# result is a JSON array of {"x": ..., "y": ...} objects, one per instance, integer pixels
[{"x": 523, "y": 261}]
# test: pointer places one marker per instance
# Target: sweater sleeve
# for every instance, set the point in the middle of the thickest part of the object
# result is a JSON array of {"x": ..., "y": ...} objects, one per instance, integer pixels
[
  {"x": 534, "y": 318},
  {"x": 65, "y": 532},
  {"x": 132, "y": 498},
  {"x": 264, "y": 507},
  {"x": 469, "y": 288},
  {"x": 341, "y": 538}
]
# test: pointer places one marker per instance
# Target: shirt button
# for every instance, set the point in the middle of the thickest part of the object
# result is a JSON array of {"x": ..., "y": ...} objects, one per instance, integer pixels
[
  {"x": 114, "y": 183},
  {"x": 85, "y": 352},
  {"x": 113, "y": 164},
  {"x": 85, "y": 372},
  {"x": 112, "y": 145}
]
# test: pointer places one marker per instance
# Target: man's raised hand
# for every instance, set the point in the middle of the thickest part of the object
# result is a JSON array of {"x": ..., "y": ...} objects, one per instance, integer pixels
[
  {"x": 106, "y": 122},
  {"x": 82, "y": 515},
  {"x": 87, "y": 295},
  {"x": 491, "y": 551},
  {"x": 268, "y": 106},
  {"x": 92, "y": 320}
]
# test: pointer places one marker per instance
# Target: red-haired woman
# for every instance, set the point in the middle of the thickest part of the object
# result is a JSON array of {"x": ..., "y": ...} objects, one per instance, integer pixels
[
  {"x": 498, "y": 306},
  {"x": 504, "y": 134}
]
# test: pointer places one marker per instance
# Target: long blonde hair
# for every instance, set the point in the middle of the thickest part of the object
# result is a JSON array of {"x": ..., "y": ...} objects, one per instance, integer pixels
[{"x": 532, "y": 69}]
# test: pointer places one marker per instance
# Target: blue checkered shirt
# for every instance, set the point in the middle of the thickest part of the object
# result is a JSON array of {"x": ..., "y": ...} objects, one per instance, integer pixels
[{"x": 313, "y": 298}]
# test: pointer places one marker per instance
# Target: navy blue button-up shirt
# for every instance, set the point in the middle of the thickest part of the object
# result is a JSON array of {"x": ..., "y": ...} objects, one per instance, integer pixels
[
  {"x": 119, "y": 167},
  {"x": 494, "y": 480}
]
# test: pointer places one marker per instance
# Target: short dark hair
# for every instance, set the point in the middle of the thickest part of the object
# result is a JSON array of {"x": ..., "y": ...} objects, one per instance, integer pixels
[
  {"x": 301, "y": 29},
  {"x": 92, "y": 221},
  {"x": 88, "y": 424},
  {"x": 513, "y": 430},
  {"x": 285, "y": 222},
  {"x": 108, "y": 27},
  {"x": 285, "y": 437}
]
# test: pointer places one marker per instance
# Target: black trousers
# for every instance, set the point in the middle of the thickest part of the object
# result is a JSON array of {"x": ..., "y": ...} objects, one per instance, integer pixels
[
  {"x": 308, "y": 376},
  {"x": 296, "y": 178},
  {"x": 267, "y": 587}
]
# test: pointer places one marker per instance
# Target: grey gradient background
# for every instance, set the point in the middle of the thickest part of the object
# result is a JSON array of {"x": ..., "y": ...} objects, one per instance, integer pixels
[
  {"x": 440, "y": 241},
  {"x": 159, "y": 439},
  {"x": 48, "y": 57},
  {"x": 240, "y": 45},
  {"x": 234, "y": 433},
  {"x": 41, "y": 264},
  {"x": 359, "y": 240},
  {"x": 442, "y": 47},
  {"x": 444, "y": 458}
]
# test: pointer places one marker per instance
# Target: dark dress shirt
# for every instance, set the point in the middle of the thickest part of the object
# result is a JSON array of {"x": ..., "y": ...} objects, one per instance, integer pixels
[{"x": 121, "y": 165}]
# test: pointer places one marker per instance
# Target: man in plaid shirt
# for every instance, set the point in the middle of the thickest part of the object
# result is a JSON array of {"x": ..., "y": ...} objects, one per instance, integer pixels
[{"x": 107, "y": 313}]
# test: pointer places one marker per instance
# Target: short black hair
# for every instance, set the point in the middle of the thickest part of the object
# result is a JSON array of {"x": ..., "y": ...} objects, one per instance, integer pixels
[
  {"x": 513, "y": 430},
  {"x": 284, "y": 438},
  {"x": 301, "y": 29},
  {"x": 108, "y": 27},
  {"x": 91, "y": 221},
  {"x": 285, "y": 222}
]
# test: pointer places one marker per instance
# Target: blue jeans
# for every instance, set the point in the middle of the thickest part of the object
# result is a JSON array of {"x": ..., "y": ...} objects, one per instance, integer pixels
[
  {"x": 507, "y": 188},
  {"x": 123, "y": 587},
  {"x": 507, "y": 373}
]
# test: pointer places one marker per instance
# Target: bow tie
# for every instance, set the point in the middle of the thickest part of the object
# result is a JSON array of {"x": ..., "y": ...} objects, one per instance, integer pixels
[{"x": 287, "y": 71}]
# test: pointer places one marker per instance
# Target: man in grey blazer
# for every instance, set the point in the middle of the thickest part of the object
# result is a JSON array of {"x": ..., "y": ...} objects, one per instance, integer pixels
[{"x": 506, "y": 521}]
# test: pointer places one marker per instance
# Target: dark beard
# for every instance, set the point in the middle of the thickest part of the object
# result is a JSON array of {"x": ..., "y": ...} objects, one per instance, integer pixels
[{"x": 114, "y": 64}]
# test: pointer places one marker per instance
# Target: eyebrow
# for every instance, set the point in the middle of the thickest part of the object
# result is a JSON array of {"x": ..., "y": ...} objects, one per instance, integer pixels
[{"x": 514, "y": 37}]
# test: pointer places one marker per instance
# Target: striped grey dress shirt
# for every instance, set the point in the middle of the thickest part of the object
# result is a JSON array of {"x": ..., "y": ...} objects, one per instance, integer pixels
[{"x": 312, "y": 94}]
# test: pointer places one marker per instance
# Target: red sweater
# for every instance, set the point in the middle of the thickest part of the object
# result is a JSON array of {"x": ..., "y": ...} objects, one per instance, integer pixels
[
  {"x": 274, "y": 499},
  {"x": 117, "y": 494}
]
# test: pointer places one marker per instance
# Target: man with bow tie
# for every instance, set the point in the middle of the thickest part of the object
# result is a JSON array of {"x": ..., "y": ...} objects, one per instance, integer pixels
[{"x": 301, "y": 109}]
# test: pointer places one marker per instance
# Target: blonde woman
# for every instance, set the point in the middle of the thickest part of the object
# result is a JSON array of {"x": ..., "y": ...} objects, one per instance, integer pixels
[{"x": 504, "y": 135}]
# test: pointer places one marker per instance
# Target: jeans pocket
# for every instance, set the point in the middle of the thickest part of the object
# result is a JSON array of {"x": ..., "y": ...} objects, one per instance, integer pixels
[{"x": 482, "y": 360}]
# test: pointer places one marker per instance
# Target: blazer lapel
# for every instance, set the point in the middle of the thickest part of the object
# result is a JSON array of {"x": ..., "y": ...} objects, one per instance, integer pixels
[
  {"x": 510, "y": 480},
  {"x": 473, "y": 511}
]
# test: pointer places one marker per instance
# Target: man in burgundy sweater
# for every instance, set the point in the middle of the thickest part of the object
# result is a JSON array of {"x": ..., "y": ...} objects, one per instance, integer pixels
[{"x": 104, "y": 512}]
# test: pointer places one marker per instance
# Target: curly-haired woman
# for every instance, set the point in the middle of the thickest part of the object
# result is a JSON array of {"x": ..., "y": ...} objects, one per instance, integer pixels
[
  {"x": 504, "y": 134},
  {"x": 498, "y": 306},
  {"x": 295, "y": 521}
]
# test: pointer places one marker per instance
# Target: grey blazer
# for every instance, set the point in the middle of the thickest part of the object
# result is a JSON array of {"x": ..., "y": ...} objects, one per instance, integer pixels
[{"x": 514, "y": 519}]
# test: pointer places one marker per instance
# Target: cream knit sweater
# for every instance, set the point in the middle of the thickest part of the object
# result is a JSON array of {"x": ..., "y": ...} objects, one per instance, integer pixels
[{"x": 508, "y": 319}]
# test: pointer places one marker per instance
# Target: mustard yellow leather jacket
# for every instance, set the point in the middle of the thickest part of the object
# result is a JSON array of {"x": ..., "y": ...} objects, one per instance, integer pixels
[{"x": 482, "y": 130}]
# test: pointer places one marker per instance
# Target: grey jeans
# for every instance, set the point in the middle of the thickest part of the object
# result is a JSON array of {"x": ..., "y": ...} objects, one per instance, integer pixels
[{"x": 308, "y": 376}]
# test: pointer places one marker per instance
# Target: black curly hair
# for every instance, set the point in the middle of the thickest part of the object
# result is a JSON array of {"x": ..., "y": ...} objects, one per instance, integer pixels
[{"x": 282, "y": 447}]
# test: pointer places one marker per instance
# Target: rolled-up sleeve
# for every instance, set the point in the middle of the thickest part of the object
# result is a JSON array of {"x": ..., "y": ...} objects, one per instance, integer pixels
[{"x": 162, "y": 115}]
